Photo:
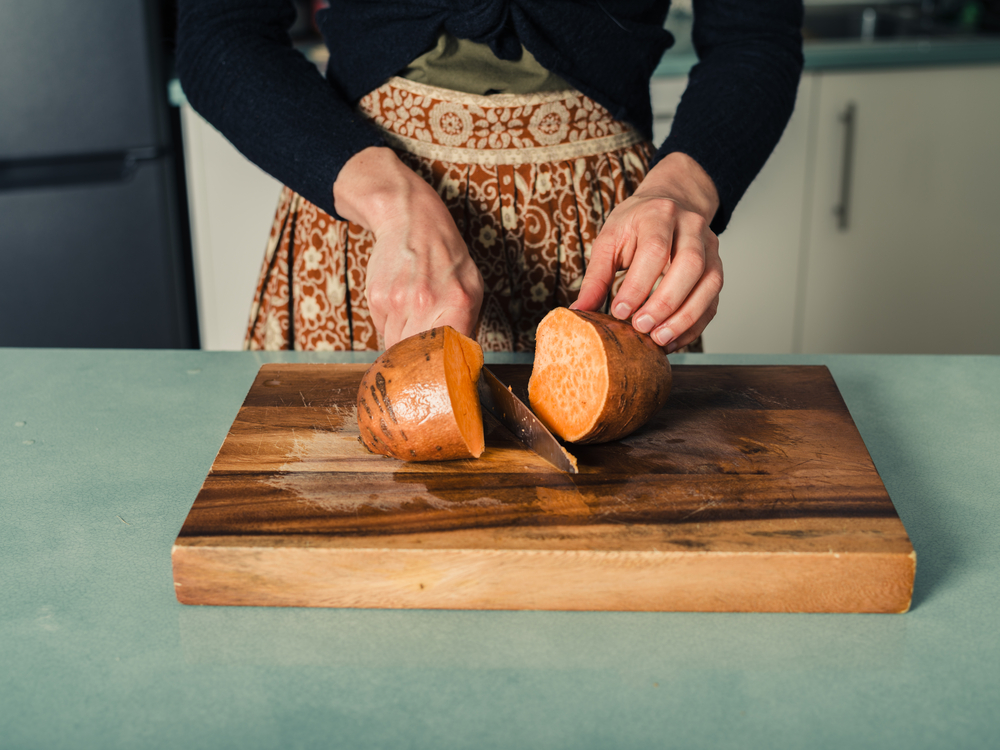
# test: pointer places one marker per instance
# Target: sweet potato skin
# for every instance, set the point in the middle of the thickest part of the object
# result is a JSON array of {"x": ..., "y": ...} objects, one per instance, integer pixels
[
  {"x": 639, "y": 379},
  {"x": 404, "y": 407}
]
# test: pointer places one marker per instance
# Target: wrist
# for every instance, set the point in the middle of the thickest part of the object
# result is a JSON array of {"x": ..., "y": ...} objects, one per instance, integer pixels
[
  {"x": 682, "y": 179},
  {"x": 373, "y": 187}
]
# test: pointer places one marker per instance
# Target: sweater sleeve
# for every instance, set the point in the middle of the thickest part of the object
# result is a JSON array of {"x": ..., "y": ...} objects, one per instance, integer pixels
[
  {"x": 239, "y": 70},
  {"x": 741, "y": 93}
]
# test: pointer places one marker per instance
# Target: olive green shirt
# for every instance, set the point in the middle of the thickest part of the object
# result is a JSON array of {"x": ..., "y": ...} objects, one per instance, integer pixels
[{"x": 462, "y": 65}]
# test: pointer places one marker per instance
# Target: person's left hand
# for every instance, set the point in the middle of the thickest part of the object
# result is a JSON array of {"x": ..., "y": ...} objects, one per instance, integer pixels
[{"x": 662, "y": 230}]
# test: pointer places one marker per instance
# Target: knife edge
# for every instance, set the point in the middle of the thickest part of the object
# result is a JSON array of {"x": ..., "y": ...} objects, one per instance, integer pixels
[{"x": 500, "y": 401}]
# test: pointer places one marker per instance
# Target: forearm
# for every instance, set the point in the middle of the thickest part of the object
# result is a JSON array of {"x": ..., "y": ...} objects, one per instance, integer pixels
[
  {"x": 680, "y": 178},
  {"x": 239, "y": 70},
  {"x": 741, "y": 94},
  {"x": 374, "y": 187}
]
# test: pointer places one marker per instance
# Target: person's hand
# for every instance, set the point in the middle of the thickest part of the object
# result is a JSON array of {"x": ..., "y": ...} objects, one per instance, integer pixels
[
  {"x": 420, "y": 274},
  {"x": 661, "y": 230}
]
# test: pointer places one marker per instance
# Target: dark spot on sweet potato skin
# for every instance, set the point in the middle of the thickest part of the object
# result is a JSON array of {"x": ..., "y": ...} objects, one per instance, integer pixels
[
  {"x": 380, "y": 384},
  {"x": 368, "y": 411}
]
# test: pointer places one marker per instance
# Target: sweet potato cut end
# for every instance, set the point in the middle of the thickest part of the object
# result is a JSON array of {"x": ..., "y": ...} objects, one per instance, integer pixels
[
  {"x": 463, "y": 363},
  {"x": 569, "y": 379}
]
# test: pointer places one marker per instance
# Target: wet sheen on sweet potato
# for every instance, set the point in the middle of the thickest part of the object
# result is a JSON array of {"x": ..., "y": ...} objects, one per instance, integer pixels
[{"x": 419, "y": 400}]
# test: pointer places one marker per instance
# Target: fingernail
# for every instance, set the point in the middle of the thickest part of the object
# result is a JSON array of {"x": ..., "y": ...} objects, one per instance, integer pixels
[
  {"x": 662, "y": 335},
  {"x": 622, "y": 311},
  {"x": 644, "y": 323}
]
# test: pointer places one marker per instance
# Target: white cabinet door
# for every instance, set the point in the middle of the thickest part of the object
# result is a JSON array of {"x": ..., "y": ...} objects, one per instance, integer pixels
[
  {"x": 762, "y": 247},
  {"x": 231, "y": 203},
  {"x": 916, "y": 266}
]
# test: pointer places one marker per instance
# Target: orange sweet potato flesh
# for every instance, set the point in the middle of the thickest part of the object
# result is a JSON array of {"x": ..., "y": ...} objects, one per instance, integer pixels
[
  {"x": 595, "y": 378},
  {"x": 419, "y": 400}
]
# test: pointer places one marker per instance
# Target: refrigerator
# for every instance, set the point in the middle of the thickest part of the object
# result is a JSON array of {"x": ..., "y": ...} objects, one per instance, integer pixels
[{"x": 94, "y": 249}]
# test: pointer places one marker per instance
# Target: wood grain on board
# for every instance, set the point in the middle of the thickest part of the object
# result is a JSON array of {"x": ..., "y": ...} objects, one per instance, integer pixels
[{"x": 751, "y": 490}]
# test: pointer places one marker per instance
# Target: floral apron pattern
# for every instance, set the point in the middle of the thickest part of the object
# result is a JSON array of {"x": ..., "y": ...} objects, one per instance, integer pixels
[{"x": 528, "y": 180}]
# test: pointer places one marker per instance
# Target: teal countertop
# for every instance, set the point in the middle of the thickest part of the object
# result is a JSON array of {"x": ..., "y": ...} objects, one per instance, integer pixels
[
  {"x": 103, "y": 452},
  {"x": 858, "y": 55}
]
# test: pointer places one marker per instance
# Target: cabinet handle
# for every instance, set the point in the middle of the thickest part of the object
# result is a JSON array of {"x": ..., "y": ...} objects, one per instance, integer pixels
[{"x": 843, "y": 210}]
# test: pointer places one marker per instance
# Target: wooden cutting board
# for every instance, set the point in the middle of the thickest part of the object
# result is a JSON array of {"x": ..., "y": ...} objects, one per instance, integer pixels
[{"x": 751, "y": 490}]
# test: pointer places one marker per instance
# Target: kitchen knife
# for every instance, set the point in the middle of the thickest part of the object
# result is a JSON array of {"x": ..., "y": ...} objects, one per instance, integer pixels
[{"x": 512, "y": 413}]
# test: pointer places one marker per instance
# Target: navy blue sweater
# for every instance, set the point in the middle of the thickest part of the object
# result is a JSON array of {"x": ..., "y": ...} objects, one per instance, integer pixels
[{"x": 239, "y": 70}]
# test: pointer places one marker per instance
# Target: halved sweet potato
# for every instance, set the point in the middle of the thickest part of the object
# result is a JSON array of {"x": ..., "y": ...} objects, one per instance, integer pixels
[
  {"x": 419, "y": 400},
  {"x": 595, "y": 377}
]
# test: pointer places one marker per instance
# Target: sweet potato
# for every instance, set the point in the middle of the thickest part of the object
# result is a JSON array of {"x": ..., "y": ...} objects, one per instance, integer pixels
[
  {"x": 419, "y": 400},
  {"x": 595, "y": 377}
]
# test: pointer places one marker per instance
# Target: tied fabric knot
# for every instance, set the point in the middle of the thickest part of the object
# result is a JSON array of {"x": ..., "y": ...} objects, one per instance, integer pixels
[{"x": 486, "y": 22}]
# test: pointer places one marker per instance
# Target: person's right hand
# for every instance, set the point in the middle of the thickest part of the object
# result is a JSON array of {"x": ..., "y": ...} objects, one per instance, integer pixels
[{"x": 420, "y": 274}]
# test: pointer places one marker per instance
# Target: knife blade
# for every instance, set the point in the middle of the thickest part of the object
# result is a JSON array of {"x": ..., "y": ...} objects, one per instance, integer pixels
[{"x": 513, "y": 414}]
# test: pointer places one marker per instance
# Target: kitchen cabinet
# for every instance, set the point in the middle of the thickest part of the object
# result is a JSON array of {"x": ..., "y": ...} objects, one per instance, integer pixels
[
  {"x": 910, "y": 263},
  {"x": 231, "y": 205},
  {"x": 761, "y": 247},
  {"x": 871, "y": 229}
]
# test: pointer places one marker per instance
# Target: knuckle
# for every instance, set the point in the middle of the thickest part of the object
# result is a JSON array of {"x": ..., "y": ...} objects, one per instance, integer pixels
[
  {"x": 665, "y": 207},
  {"x": 612, "y": 237},
  {"x": 476, "y": 287},
  {"x": 628, "y": 291},
  {"x": 713, "y": 310},
  {"x": 592, "y": 281},
  {"x": 691, "y": 263},
  {"x": 711, "y": 241},
  {"x": 395, "y": 297},
  {"x": 682, "y": 321},
  {"x": 698, "y": 224},
  {"x": 377, "y": 297},
  {"x": 713, "y": 284},
  {"x": 659, "y": 308},
  {"x": 462, "y": 298},
  {"x": 419, "y": 297},
  {"x": 657, "y": 247}
]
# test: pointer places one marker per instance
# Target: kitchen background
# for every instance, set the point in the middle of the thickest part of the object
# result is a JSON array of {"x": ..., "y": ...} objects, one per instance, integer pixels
[{"x": 127, "y": 221}]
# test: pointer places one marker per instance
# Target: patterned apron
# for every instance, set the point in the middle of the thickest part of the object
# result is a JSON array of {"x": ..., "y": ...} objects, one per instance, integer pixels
[{"x": 528, "y": 179}]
